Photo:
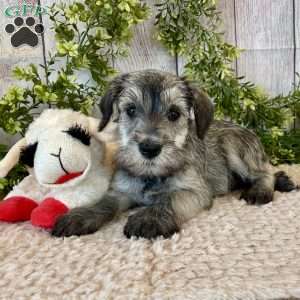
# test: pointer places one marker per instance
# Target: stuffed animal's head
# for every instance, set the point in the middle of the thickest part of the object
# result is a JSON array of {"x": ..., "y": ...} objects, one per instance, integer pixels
[{"x": 61, "y": 146}]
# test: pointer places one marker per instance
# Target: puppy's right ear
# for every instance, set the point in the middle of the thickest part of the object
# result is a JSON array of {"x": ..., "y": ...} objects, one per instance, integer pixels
[
  {"x": 203, "y": 108},
  {"x": 110, "y": 98}
]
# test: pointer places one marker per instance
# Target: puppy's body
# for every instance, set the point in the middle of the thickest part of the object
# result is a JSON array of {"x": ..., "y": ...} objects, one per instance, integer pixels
[
  {"x": 173, "y": 158},
  {"x": 236, "y": 159},
  {"x": 211, "y": 168}
]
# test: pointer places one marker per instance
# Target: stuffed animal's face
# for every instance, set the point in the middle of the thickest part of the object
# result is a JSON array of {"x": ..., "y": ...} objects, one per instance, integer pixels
[{"x": 60, "y": 147}]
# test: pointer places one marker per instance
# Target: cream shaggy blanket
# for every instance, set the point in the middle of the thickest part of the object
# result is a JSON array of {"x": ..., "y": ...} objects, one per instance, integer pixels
[{"x": 233, "y": 251}]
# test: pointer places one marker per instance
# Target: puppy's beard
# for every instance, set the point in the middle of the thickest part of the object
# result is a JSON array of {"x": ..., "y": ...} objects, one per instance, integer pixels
[{"x": 168, "y": 162}]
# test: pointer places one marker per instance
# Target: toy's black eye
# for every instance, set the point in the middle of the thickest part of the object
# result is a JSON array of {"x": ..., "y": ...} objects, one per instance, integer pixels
[
  {"x": 80, "y": 134},
  {"x": 131, "y": 110},
  {"x": 27, "y": 155},
  {"x": 173, "y": 114}
]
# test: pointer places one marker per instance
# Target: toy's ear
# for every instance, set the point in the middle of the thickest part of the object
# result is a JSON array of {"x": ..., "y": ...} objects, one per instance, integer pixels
[
  {"x": 110, "y": 99},
  {"x": 107, "y": 135},
  {"x": 12, "y": 157},
  {"x": 27, "y": 154},
  {"x": 203, "y": 109}
]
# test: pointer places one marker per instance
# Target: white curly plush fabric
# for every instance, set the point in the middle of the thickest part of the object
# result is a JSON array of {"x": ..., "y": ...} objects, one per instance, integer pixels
[{"x": 233, "y": 251}]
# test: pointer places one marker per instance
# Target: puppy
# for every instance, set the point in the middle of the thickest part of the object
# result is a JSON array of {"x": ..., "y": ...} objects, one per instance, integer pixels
[{"x": 173, "y": 158}]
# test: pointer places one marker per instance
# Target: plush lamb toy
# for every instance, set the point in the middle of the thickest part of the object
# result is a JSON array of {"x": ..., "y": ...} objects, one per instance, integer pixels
[{"x": 69, "y": 164}]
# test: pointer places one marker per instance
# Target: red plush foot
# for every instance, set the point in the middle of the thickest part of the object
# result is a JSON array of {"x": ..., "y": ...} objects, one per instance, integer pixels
[
  {"x": 47, "y": 212},
  {"x": 16, "y": 209}
]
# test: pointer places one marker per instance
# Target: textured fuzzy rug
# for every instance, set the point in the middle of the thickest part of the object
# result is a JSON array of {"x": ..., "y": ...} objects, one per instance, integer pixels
[{"x": 234, "y": 251}]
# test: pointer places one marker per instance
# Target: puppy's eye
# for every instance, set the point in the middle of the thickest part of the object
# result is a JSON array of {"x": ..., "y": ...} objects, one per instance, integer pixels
[
  {"x": 173, "y": 114},
  {"x": 131, "y": 110},
  {"x": 80, "y": 134}
]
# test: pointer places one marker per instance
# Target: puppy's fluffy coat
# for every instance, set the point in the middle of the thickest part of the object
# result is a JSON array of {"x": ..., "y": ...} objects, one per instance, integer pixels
[{"x": 173, "y": 158}]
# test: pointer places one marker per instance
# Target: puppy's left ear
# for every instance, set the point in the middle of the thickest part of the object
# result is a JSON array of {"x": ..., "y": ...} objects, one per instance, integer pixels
[
  {"x": 110, "y": 98},
  {"x": 203, "y": 110}
]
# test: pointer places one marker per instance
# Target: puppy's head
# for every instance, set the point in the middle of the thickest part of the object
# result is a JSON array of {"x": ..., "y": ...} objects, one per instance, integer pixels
[{"x": 156, "y": 113}]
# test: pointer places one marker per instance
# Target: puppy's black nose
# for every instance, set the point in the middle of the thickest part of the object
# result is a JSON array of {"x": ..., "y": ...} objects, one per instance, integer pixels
[{"x": 149, "y": 149}]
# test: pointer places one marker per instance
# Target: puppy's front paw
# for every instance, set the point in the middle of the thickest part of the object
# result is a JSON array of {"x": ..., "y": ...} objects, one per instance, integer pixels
[
  {"x": 150, "y": 223},
  {"x": 257, "y": 197},
  {"x": 77, "y": 222}
]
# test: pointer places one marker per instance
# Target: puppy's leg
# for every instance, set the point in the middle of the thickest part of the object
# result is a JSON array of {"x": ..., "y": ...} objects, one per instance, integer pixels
[
  {"x": 255, "y": 177},
  {"x": 283, "y": 183},
  {"x": 165, "y": 217},
  {"x": 86, "y": 220},
  {"x": 262, "y": 188},
  {"x": 153, "y": 221}
]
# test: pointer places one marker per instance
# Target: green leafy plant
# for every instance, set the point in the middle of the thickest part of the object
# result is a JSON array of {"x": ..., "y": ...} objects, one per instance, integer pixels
[
  {"x": 190, "y": 29},
  {"x": 89, "y": 36}
]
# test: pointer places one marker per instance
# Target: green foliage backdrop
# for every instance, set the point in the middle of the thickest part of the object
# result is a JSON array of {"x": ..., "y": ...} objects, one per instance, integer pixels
[
  {"x": 91, "y": 34},
  {"x": 191, "y": 29}
]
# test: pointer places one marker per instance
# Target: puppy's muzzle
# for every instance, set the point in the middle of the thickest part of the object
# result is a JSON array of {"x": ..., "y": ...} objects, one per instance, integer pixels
[{"x": 149, "y": 149}]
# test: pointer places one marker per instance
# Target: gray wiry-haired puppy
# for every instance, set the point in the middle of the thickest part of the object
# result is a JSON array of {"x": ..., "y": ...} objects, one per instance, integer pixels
[{"x": 173, "y": 159}]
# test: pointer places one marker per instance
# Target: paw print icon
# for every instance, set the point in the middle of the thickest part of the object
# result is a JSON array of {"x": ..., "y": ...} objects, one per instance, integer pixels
[{"x": 24, "y": 33}]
